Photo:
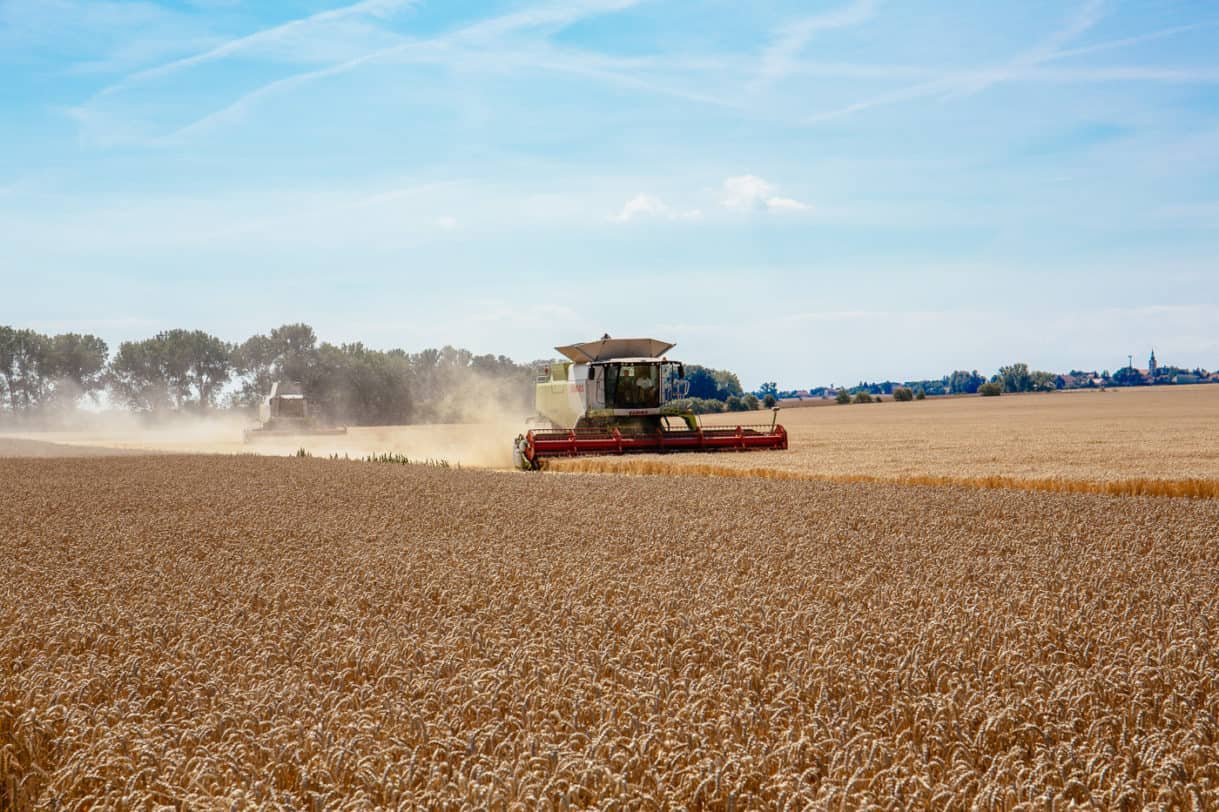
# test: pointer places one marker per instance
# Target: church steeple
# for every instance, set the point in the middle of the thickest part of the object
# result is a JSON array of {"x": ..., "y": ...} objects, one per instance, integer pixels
[{"x": 1151, "y": 365}]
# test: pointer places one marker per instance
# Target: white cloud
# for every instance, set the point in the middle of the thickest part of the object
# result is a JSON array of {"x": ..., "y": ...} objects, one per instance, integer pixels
[
  {"x": 445, "y": 222},
  {"x": 751, "y": 193},
  {"x": 786, "y": 204},
  {"x": 644, "y": 206}
]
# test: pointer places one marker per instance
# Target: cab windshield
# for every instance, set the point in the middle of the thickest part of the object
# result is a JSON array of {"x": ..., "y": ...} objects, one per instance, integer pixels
[{"x": 632, "y": 386}]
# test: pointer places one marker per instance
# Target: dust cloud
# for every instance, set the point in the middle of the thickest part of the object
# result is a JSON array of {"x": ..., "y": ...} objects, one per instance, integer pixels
[
  {"x": 474, "y": 419},
  {"x": 482, "y": 440}
]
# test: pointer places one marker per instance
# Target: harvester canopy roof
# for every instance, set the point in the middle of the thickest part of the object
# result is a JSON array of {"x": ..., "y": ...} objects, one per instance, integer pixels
[
  {"x": 286, "y": 389},
  {"x": 612, "y": 348}
]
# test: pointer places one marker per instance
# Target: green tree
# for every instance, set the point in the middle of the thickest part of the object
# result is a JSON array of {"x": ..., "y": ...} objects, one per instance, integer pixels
[
  {"x": 991, "y": 389},
  {"x": 709, "y": 383},
  {"x": 728, "y": 383},
  {"x": 919, "y": 394},
  {"x": 25, "y": 364},
  {"x": 174, "y": 367},
  {"x": 1016, "y": 378},
  {"x": 77, "y": 363},
  {"x": 1042, "y": 381},
  {"x": 769, "y": 401},
  {"x": 8, "y": 366},
  {"x": 199, "y": 363},
  {"x": 963, "y": 382},
  {"x": 364, "y": 386},
  {"x": 137, "y": 376},
  {"x": 254, "y": 360},
  {"x": 702, "y": 382},
  {"x": 843, "y": 396},
  {"x": 903, "y": 394}
]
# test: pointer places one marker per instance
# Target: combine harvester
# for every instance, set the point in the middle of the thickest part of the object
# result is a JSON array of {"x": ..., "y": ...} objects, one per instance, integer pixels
[
  {"x": 286, "y": 413},
  {"x": 615, "y": 396}
]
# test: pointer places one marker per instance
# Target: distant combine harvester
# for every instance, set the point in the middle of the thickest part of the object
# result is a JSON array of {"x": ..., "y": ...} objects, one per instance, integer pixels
[{"x": 286, "y": 412}]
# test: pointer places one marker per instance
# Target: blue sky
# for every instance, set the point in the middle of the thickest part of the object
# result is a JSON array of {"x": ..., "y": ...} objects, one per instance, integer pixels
[{"x": 809, "y": 192}]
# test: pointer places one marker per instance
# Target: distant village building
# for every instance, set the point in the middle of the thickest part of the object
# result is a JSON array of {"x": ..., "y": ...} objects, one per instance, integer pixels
[{"x": 1151, "y": 366}]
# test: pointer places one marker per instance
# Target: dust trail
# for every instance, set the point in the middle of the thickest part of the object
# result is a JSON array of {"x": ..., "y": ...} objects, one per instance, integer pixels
[
  {"x": 1187, "y": 488},
  {"x": 486, "y": 443}
]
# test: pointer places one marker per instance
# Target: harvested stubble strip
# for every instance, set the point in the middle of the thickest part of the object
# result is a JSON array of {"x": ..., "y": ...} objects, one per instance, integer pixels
[{"x": 1180, "y": 488}]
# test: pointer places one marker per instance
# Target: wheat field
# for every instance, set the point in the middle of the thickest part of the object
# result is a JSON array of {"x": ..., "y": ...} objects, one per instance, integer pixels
[{"x": 236, "y": 632}]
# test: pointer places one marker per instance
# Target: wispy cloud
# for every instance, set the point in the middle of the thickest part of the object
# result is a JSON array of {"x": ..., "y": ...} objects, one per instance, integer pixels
[
  {"x": 631, "y": 73},
  {"x": 370, "y": 8},
  {"x": 238, "y": 108},
  {"x": 751, "y": 193},
  {"x": 1126, "y": 42},
  {"x": 548, "y": 16},
  {"x": 96, "y": 35},
  {"x": 645, "y": 206},
  {"x": 1118, "y": 73},
  {"x": 1027, "y": 67},
  {"x": 1087, "y": 16},
  {"x": 969, "y": 82},
  {"x": 551, "y": 15},
  {"x": 778, "y": 59}
]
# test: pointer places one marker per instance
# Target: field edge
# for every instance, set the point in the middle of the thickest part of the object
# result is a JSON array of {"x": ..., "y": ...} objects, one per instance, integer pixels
[{"x": 1167, "y": 488}]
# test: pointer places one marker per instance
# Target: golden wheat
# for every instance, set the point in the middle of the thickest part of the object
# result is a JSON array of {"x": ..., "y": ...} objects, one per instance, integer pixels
[
  {"x": 685, "y": 466},
  {"x": 207, "y": 631},
  {"x": 1168, "y": 433}
]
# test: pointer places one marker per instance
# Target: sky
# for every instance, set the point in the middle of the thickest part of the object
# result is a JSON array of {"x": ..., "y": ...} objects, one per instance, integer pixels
[{"x": 804, "y": 192}]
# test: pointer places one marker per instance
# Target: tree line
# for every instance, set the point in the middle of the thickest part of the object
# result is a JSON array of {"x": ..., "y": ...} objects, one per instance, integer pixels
[
  {"x": 41, "y": 373},
  {"x": 178, "y": 371},
  {"x": 1015, "y": 377}
]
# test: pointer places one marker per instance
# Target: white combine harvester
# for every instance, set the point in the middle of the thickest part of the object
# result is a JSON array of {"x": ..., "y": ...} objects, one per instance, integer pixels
[
  {"x": 617, "y": 396},
  {"x": 286, "y": 413}
]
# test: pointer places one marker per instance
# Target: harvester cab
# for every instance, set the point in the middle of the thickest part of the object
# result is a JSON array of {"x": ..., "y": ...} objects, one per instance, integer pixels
[
  {"x": 623, "y": 395},
  {"x": 286, "y": 412}
]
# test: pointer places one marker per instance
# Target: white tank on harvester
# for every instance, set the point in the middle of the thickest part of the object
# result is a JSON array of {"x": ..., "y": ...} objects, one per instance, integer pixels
[
  {"x": 286, "y": 412},
  {"x": 621, "y": 396}
]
